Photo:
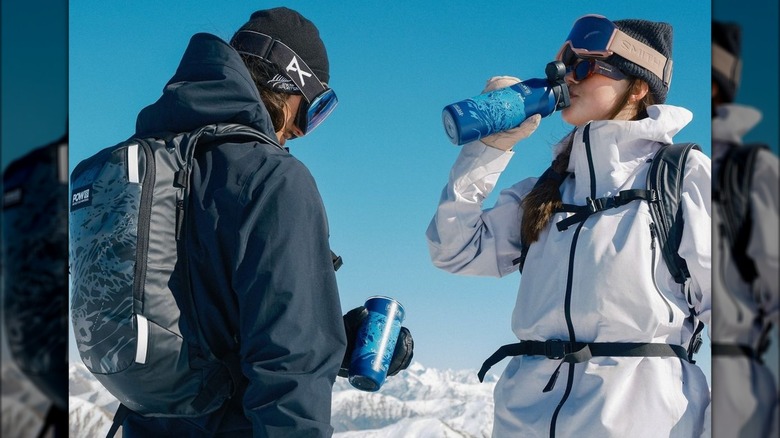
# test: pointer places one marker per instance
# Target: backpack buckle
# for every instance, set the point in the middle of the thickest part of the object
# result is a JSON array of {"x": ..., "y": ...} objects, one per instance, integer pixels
[
  {"x": 653, "y": 195},
  {"x": 555, "y": 348},
  {"x": 591, "y": 203},
  {"x": 599, "y": 204},
  {"x": 696, "y": 345}
]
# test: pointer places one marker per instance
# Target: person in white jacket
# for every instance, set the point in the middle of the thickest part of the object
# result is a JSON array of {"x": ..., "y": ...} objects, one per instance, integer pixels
[
  {"x": 746, "y": 296},
  {"x": 603, "y": 327}
]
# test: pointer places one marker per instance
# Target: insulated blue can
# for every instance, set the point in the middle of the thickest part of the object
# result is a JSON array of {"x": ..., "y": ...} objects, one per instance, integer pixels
[
  {"x": 375, "y": 343},
  {"x": 500, "y": 110}
]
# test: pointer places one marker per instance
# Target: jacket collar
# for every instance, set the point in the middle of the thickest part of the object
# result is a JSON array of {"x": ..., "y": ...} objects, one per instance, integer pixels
[{"x": 606, "y": 154}]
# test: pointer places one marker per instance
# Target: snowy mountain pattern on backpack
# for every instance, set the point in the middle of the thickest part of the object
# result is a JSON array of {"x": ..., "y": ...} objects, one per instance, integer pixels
[{"x": 106, "y": 234}]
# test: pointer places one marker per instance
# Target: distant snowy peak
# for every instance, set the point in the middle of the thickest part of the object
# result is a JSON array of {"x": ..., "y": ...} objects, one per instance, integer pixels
[
  {"x": 417, "y": 402},
  {"x": 87, "y": 419}
]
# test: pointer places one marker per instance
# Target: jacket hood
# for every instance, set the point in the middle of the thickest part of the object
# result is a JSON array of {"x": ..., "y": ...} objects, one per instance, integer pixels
[
  {"x": 660, "y": 125},
  {"x": 617, "y": 148},
  {"x": 211, "y": 85},
  {"x": 732, "y": 121}
]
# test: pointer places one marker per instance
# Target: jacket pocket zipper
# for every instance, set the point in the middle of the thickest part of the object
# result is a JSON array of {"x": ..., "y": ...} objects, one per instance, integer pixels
[{"x": 653, "y": 234}]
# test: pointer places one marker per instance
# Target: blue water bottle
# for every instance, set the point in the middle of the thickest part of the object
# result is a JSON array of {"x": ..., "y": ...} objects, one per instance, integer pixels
[
  {"x": 506, "y": 108},
  {"x": 375, "y": 343}
]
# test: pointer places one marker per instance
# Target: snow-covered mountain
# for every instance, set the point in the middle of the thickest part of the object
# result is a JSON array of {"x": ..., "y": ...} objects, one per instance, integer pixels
[
  {"x": 418, "y": 402},
  {"x": 91, "y": 408}
]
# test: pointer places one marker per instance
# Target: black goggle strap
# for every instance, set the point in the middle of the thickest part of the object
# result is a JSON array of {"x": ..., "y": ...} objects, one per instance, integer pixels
[{"x": 260, "y": 45}]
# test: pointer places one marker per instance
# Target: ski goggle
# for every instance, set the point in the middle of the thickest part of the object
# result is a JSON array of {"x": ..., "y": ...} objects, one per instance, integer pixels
[
  {"x": 587, "y": 67},
  {"x": 311, "y": 114},
  {"x": 594, "y": 36},
  {"x": 318, "y": 99}
]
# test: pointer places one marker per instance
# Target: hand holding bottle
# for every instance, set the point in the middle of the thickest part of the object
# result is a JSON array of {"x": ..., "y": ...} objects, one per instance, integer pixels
[
  {"x": 508, "y": 106},
  {"x": 506, "y": 140}
]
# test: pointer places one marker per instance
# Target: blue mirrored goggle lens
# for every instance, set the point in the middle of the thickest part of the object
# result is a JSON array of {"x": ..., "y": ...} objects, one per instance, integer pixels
[
  {"x": 320, "y": 109},
  {"x": 591, "y": 33},
  {"x": 310, "y": 115}
]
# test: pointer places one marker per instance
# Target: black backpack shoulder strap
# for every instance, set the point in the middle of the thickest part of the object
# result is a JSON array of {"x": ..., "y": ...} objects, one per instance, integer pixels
[
  {"x": 120, "y": 416},
  {"x": 664, "y": 181},
  {"x": 732, "y": 197},
  {"x": 227, "y": 374},
  {"x": 665, "y": 178}
]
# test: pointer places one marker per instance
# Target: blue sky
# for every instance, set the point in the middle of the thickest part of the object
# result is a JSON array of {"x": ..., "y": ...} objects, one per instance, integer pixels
[{"x": 382, "y": 158}]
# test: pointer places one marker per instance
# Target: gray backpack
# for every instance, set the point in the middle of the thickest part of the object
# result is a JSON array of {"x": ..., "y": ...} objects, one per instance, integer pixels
[{"x": 130, "y": 281}]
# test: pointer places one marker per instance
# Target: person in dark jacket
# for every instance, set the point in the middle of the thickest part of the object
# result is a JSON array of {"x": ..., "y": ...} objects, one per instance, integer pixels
[{"x": 262, "y": 271}]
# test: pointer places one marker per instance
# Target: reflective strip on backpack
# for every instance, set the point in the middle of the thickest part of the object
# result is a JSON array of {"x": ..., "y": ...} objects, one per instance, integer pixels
[
  {"x": 62, "y": 163},
  {"x": 142, "y": 340},
  {"x": 132, "y": 164}
]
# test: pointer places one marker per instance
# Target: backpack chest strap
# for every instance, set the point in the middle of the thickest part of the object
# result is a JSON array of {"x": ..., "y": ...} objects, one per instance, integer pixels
[{"x": 582, "y": 212}]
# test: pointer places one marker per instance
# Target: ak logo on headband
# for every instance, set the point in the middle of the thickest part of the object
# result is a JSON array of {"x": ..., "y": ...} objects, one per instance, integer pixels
[{"x": 295, "y": 68}]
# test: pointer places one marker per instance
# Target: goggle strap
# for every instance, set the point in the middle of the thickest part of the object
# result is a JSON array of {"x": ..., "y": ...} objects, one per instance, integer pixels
[
  {"x": 276, "y": 52},
  {"x": 726, "y": 64},
  {"x": 641, "y": 54}
]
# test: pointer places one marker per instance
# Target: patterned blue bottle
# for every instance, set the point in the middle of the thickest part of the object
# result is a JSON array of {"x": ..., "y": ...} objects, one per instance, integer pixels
[
  {"x": 498, "y": 110},
  {"x": 503, "y": 109}
]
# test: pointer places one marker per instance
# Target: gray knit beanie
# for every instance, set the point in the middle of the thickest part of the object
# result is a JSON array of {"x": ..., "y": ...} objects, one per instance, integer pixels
[{"x": 657, "y": 35}]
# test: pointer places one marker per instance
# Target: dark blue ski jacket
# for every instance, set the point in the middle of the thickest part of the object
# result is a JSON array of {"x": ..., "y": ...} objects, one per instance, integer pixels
[{"x": 261, "y": 269}]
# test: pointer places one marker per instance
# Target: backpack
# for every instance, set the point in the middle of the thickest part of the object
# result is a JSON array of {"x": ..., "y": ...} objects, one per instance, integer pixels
[
  {"x": 731, "y": 196},
  {"x": 131, "y": 299},
  {"x": 34, "y": 269},
  {"x": 663, "y": 194}
]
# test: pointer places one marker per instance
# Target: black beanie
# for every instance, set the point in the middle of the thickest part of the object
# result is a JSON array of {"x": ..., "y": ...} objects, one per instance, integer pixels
[
  {"x": 295, "y": 31},
  {"x": 726, "y": 51},
  {"x": 656, "y": 35}
]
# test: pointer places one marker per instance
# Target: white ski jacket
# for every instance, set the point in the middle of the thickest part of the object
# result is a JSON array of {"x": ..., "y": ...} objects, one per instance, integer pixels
[
  {"x": 745, "y": 403},
  {"x": 603, "y": 280}
]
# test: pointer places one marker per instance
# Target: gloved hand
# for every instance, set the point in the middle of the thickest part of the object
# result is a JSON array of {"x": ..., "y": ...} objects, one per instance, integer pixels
[
  {"x": 404, "y": 346},
  {"x": 507, "y": 139}
]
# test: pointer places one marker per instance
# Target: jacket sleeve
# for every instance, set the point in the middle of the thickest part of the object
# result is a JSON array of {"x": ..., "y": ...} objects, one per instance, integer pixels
[
  {"x": 696, "y": 242},
  {"x": 291, "y": 330},
  {"x": 462, "y": 237},
  {"x": 763, "y": 246}
]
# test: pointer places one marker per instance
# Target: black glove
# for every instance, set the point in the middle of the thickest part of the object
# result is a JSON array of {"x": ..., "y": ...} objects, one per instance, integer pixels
[{"x": 404, "y": 346}]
